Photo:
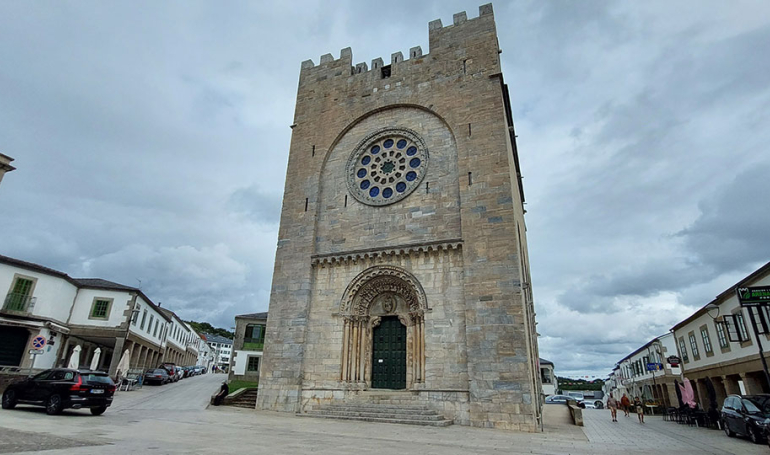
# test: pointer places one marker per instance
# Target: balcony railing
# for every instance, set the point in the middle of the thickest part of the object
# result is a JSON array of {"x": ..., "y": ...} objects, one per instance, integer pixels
[
  {"x": 19, "y": 302},
  {"x": 253, "y": 344}
]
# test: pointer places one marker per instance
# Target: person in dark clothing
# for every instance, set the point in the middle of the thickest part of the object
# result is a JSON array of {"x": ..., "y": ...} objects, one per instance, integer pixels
[{"x": 223, "y": 392}]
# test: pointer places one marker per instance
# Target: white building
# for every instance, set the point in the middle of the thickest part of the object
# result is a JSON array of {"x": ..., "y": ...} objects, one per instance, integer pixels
[
  {"x": 69, "y": 312},
  {"x": 647, "y": 373},
  {"x": 248, "y": 346},
  {"x": 548, "y": 378},
  {"x": 717, "y": 344},
  {"x": 222, "y": 349}
]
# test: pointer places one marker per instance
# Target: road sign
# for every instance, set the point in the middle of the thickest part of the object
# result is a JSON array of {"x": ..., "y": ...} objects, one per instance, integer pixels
[
  {"x": 654, "y": 366},
  {"x": 35, "y": 351},
  {"x": 753, "y": 296},
  {"x": 38, "y": 342}
]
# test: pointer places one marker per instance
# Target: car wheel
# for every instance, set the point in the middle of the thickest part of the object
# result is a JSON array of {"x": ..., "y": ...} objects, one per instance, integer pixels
[
  {"x": 599, "y": 405},
  {"x": 755, "y": 438},
  {"x": 98, "y": 411},
  {"x": 53, "y": 405},
  {"x": 9, "y": 399},
  {"x": 728, "y": 431}
]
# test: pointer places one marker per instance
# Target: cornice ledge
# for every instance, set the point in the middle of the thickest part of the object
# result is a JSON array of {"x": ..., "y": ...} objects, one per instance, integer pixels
[{"x": 346, "y": 257}]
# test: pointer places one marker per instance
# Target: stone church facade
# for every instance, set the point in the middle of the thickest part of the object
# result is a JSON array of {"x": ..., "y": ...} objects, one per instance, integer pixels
[{"x": 402, "y": 256}]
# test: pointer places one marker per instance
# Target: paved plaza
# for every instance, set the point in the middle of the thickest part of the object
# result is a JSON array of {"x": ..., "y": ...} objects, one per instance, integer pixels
[{"x": 175, "y": 419}]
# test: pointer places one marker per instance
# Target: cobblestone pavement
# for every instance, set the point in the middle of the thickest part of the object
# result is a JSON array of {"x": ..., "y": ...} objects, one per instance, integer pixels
[
  {"x": 173, "y": 419},
  {"x": 661, "y": 436}
]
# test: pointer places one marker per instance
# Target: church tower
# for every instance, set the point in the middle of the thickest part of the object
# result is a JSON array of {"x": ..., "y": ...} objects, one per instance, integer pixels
[{"x": 402, "y": 256}]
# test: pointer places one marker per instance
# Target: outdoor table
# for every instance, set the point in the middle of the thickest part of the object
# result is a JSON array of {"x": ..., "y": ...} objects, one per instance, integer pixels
[{"x": 651, "y": 408}]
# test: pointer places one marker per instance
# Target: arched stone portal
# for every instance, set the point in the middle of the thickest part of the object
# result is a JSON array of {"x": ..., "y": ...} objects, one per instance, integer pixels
[{"x": 382, "y": 292}]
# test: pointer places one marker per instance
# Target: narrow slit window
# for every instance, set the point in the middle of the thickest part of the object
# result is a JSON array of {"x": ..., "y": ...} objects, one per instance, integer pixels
[
  {"x": 469, "y": 130},
  {"x": 470, "y": 178},
  {"x": 346, "y": 200},
  {"x": 427, "y": 187},
  {"x": 313, "y": 151},
  {"x": 306, "y": 200}
]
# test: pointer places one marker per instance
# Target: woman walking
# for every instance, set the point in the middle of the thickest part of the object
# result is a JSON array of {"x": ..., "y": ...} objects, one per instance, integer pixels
[
  {"x": 639, "y": 409},
  {"x": 612, "y": 403}
]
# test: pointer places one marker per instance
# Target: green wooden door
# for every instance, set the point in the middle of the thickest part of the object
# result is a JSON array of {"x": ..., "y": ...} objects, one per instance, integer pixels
[{"x": 389, "y": 355}]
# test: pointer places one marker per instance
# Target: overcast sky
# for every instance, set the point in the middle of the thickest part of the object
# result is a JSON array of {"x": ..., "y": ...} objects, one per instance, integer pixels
[{"x": 151, "y": 141}]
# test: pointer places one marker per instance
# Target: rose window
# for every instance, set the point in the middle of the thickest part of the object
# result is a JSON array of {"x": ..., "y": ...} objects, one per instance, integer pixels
[{"x": 386, "y": 166}]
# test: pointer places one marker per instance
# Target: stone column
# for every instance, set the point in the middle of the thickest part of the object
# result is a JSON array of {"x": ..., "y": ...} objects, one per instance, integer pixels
[
  {"x": 731, "y": 385},
  {"x": 117, "y": 353}
]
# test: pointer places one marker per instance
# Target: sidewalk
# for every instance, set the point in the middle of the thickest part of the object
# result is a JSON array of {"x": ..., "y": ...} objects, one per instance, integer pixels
[{"x": 655, "y": 434}]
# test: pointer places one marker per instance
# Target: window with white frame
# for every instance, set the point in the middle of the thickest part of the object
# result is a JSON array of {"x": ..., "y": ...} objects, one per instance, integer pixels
[
  {"x": 721, "y": 335},
  {"x": 694, "y": 345},
  {"x": 683, "y": 348},
  {"x": 704, "y": 333},
  {"x": 741, "y": 326}
]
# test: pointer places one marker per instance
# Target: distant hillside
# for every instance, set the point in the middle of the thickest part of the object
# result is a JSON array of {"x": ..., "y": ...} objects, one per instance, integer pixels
[{"x": 205, "y": 327}]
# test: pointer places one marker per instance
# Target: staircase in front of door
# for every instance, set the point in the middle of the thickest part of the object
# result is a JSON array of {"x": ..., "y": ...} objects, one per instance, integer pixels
[{"x": 381, "y": 406}]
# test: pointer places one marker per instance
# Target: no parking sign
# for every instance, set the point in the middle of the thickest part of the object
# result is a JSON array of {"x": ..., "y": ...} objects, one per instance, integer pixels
[{"x": 38, "y": 342}]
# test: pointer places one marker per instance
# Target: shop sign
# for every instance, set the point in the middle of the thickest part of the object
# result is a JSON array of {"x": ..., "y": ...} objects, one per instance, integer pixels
[{"x": 753, "y": 296}]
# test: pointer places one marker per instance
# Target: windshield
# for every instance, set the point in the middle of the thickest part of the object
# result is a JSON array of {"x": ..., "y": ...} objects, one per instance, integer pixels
[{"x": 754, "y": 404}]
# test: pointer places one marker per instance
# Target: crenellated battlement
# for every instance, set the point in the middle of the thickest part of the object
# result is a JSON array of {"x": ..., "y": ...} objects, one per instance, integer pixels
[{"x": 437, "y": 33}]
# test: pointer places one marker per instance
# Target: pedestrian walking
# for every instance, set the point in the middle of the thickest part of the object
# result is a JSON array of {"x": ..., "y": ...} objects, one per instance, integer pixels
[
  {"x": 639, "y": 409},
  {"x": 625, "y": 403},
  {"x": 612, "y": 403}
]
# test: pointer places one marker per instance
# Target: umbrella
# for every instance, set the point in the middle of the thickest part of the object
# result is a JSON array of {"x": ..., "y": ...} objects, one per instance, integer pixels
[
  {"x": 95, "y": 359},
  {"x": 75, "y": 358},
  {"x": 678, "y": 392},
  {"x": 124, "y": 365},
  {"x": 688, "y": 395}
]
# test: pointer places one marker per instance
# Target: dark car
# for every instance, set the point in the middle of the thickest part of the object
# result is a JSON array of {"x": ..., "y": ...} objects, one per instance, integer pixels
[
  {"x": 61, "y": 388},
  {"x": 745, "y": 415},
  {"x": 156, "y": 376}
]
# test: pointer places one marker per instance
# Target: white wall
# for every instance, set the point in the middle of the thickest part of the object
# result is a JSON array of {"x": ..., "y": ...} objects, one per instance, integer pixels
[
  {"x": 148, "y": 331},
  {"x": 48, "y": 358},
  {"x": 54, "y": 295},
  {"x": 736, "y": 351},
  {"x": 85, "y": 299},
  {"x": 241, "y": 359}
]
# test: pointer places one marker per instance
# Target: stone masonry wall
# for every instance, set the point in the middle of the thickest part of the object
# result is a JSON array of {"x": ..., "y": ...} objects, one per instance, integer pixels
[{"x": 458, "y": 82}]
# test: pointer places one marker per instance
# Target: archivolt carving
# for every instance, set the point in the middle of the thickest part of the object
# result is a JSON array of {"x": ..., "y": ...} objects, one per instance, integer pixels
[
  {"x": 397, "y": 293},
  {"x": 374, "y": 281}
]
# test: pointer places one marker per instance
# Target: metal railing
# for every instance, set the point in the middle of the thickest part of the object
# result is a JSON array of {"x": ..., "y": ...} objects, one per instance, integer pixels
[{"x": 15, "y": 301}]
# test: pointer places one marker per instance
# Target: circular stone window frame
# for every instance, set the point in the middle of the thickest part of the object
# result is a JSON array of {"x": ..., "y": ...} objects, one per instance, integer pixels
[{"x": 363, "y": 146}]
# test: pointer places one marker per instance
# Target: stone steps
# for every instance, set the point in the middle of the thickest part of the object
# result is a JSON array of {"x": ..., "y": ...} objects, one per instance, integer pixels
[
  {"x": 438, "y": 423},
  {"x": 247, "y": 399},
  {"x": 395, "y": 408}
]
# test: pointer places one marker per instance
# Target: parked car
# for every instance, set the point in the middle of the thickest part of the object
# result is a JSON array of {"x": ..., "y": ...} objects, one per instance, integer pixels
[
  {"x": 157, "y": 376},
  {"x": 577, "y": 396},
  {"x": 745, "y": 415},
  {"x": 61, "y": 388},
  {"x": 172, "y": 369},
  {"x": 557, "y": 399}
]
